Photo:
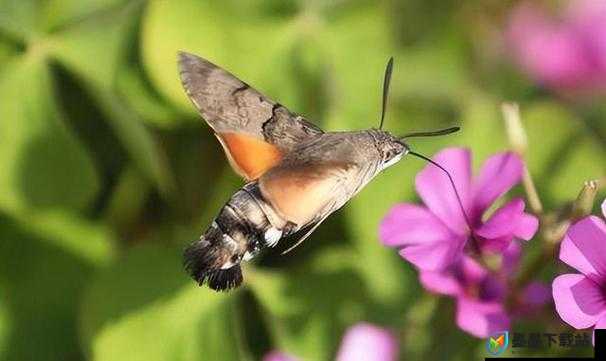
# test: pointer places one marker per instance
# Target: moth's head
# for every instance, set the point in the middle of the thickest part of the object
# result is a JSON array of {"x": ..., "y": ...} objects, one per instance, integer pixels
[{"x": 390, "y": 147}]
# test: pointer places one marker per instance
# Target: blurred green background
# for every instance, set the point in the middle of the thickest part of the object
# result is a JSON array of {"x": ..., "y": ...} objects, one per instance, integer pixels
[{"x": 107, "y": 172}]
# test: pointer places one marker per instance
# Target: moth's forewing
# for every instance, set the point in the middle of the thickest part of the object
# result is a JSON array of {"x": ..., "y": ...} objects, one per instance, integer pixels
[{"x": 255, "y": 131}]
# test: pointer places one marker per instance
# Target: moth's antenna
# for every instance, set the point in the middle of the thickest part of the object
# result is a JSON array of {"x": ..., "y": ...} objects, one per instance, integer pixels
[
  {"x": 386, "y": 81},
  {"x": 451, "y": 183},
  {"x": 431, "y": 133}
]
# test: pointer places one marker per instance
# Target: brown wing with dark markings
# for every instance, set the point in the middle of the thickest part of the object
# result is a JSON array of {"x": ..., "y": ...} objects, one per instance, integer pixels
[{"x": 255, "y": 131}]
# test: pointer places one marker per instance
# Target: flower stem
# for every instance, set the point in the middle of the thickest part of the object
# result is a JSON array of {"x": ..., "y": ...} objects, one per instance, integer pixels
[
  {"x": 531, "y": 193},
  {"x": 518, "y": 141},
  {"x": 552, "y": 231}
]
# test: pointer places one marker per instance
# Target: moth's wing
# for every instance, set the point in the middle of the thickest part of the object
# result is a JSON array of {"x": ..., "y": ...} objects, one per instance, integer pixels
[
  {"x": 304, "y": 193},
  {"x": 255, "y": 131},
  {"x": 311, "y": 228}
]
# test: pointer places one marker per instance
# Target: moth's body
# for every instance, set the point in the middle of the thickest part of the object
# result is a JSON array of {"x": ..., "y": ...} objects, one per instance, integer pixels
[{"x": 297, "y": 174}]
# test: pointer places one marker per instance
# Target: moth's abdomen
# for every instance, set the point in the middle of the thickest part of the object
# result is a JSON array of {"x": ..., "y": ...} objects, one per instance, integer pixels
[
  {"x": 245, "y": 225},
  {"x": 203, "y": 260}
]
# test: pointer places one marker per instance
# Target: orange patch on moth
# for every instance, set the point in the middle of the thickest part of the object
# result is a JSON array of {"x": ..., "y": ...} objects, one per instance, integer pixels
[
  {"x": 300, "y": 194},
  {"x": 251, "y": 157}
]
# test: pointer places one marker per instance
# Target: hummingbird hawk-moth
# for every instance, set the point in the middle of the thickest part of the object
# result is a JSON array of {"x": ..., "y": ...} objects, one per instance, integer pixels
[{"x": 296, "y": 173}]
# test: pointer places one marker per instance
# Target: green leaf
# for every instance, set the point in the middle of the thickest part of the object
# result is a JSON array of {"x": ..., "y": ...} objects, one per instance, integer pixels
[
  {"x": 434, "y": 71},
  {"x": 93, "y": 50},
  {"x": 57, "y": 13},
  {"x": 170, "y": 26},
  {"x": 307, "y": 309},
  {"x": 127, "y": 200},
  {"x": 586, "y": 154},
  {"x": 27, "y": 21},
  {"x": 482, "y": 129},
  {"x": 143, "y": 99},
  {"x": 164, "y": 332},
  {"x": 555, "y": 159},
  {"x": 418, "y": 333},
  {"x": 230, "y": 41},
  {"x": 543, "y": 151},
  {"x": 5, "y": 321},
  {"x": 215, "y": 332},
  {"x": 357, "y": 84},
  {"x": 92, "y": 242},
  {"x": 43, "y": 165},
  {"x": 137, "y": 140},
  {"x": 41, "y": 285},
  {"x": 157, "y": 313},
  {"x": 7, "y": 51},
  {"x": 19, "y": 20},
  {"x": 143, "y": 275}
]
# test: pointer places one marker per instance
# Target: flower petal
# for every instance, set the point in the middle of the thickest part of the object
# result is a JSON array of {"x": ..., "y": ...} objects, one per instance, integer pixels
[
  {"x": 437, "y": 193},
  {"x": 584, "y": 247},
  {"x": 440, "y": 282},
  {"x": 435, "y": 256},
  {"x": 578, "y": 300},
  {"x": 411, "y": 224},
  {"x": 604, "y": 208},
  {"x": 511, "y": 258},
  {"x": 496, "y": 245},
  {"x": 507, "y": 223},
  {"x": 453, "y": 280},
  {"x": 504, "y": 220},
  {"x": 471, "y": 271},
  {"x": 587, "y": 19},
  {"x": 479, "y": 318},
  {"x": 366, "y": 342},
  {"x": 498, "y": 174},
  {"x": 550, "y": 51},
  {"x": 527, "y": 226}
]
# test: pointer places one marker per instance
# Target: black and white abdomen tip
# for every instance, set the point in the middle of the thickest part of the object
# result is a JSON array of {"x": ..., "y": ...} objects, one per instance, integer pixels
[{"x": 213, "y": 260}]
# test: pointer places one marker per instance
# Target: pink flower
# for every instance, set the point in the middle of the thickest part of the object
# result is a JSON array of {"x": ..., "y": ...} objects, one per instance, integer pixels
[
  {"x": 480, "y": 295},
  {"x": 432, "y": 237},
  {"x": 362, "y": 342},
  {"x": 567, "y": 54},
  {"x": 580, "y": 299},
  {"x": 366, "y": 342}
]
